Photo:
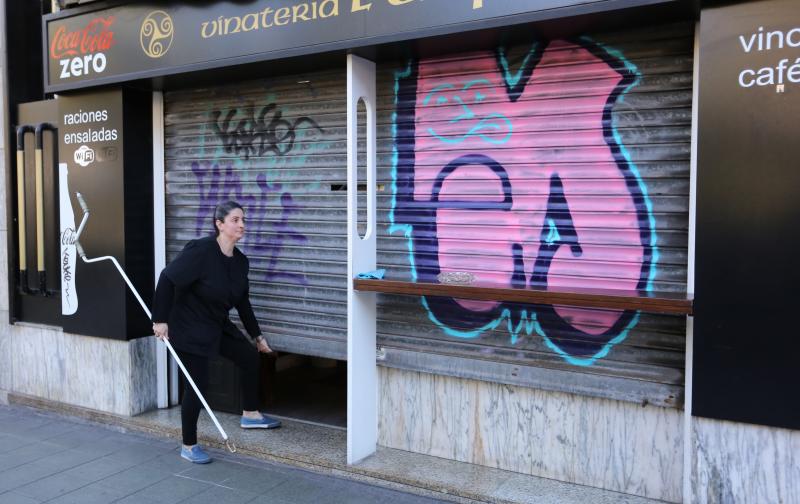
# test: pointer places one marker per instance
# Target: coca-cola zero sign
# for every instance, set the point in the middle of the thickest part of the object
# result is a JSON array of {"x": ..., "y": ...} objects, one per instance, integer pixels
[{"x": 82, "y": 52}]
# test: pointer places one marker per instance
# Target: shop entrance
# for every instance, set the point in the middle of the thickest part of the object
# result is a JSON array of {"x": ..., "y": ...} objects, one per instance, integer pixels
[{"x": 277, "y": 146}]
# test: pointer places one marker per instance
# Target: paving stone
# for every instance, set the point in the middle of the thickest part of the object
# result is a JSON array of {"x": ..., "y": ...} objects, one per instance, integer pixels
[
  {"x": 92, "y": 494},
  {"x": 100, "y": 468},
  {"x": 138, "y": 453},
  {"x": 221, "y": 495},
  {"x": 68, "y": 459},
  {"x": 51, "y": 429},
  {"x": 103, "y": 446},
  {"x": 136, "y": 499},
  {"x": 83, "y": 437},
  {"x": 28, "y": 453},
  {"x": 52, "y": 486},
  {"x": 10, "y": 442},
  {"x": 9, "y": 461},
  {"x": 20, "y": 425},
  {"x": 303, "y": 490},
  {"x": 173, "y": 489},
  {"x": 17, "y": 498},
  {"x": 255, "y": 480},
  {"x": 134, "y": 479},
  {"x": 346, "y": 492},
  {"x": 24, "y": 474},
  {"x": 171, "y": 462},
  {"x": 218, "y": 471}
]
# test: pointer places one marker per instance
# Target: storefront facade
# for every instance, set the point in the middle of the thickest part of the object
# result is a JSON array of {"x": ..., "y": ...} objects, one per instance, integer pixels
[{"x": 536, "y": 147}]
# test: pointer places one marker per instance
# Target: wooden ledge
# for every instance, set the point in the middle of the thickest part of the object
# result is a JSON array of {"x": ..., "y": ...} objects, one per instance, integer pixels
[{"x": 651, "y": 302}]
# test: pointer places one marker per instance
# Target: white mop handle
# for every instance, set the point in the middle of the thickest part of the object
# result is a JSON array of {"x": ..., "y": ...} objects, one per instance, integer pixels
[
  {"x": 199, "y": 395},
  {"x": 169, "y": 347},
  {"x": 127, "y": 281}
]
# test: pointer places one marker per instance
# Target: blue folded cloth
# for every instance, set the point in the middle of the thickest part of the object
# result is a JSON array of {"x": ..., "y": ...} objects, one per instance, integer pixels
[{"x": 372, "y": 275}]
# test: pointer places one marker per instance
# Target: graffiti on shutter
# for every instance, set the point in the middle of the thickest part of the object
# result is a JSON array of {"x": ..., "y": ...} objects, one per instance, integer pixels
[
  {"x": 532, "y": 170},
  {"x": 269, "y": 144},
  {"x": 471, "y": 179}
]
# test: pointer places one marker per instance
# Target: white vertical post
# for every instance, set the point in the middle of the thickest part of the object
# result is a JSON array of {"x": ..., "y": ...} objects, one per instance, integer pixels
[
  {"x": 688, "y": 444},
  {"x": 159, "y": 234},
  {"x": 362, "y": 372}
]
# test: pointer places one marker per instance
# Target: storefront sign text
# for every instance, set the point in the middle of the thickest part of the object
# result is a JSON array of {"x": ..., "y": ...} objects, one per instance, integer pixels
[
  {"x": 783, "y": 71},
  {"x": 148, "y": 39}
]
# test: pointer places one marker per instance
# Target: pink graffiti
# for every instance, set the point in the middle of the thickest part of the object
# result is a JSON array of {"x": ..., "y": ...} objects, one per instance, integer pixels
[{"x": 551, "y": 136}]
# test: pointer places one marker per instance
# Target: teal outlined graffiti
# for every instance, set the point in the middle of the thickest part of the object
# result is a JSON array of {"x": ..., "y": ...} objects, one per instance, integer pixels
[
  {"x": 487, "y": 127},
  {"x": 467, "y": 189}
]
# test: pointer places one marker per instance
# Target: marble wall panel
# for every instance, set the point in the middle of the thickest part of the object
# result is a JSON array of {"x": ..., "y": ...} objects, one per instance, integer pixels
[
  {"x": 603, "y": 443},
  {"x": 102, "y": 374},
  {"x": 736, "y": 462},
  {"x": 5, "y": 352},
  {"x": 3, "y": 209},
  {"x": 3, "y": 139},
  {"x": 97, "y": 374},
  {"x": 31, "y": 351},
  {"x": 3, "y": 268},
  {"x": 144, "y": 389}
]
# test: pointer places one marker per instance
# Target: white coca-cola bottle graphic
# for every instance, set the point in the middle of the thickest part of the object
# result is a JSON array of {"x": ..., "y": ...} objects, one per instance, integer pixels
[{"x": 69, "y": 295}]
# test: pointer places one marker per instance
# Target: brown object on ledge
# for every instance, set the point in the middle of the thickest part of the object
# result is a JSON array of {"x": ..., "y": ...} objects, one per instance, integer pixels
[{"x": 651, "y": 302}]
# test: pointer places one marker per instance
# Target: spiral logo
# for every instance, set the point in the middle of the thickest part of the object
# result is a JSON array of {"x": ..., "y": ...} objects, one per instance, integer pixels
[{"x": 156, "y": 33}]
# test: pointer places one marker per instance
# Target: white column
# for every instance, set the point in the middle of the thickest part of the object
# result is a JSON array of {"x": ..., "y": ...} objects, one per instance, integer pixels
[
  {"x": 362, "y": 372},
  {"x": 688, "y": 444},
  {"x": 159, "y": 234}
]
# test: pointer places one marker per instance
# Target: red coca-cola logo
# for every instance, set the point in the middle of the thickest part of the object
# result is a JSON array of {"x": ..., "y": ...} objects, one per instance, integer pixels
[{"x": 96, "y": 36}]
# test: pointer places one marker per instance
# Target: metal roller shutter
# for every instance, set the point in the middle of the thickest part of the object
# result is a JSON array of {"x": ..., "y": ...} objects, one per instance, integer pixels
[
  {"x": 276, "y": 146},
  {"x": 560, "y": 163}
]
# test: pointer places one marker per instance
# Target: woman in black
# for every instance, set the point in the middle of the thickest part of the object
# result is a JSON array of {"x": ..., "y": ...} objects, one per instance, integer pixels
[{"x": 194, "y": 295}]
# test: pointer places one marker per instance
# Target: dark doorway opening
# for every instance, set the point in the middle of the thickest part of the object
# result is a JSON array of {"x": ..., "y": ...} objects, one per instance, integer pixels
[
  {"x": 310, "y": 389},
  {"x": 299, "y": 387}
]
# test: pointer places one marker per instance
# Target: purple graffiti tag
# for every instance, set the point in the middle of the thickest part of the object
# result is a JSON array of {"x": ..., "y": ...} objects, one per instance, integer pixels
[
  {"x": 264, "y": 238},
  {"x": 256, "y": 136},
  {"x": 214, "y": 190},
  {"x": 272, "y": 236}
]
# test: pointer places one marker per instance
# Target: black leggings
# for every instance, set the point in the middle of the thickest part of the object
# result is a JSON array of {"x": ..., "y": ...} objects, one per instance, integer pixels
[{"x": 241, "y": 353}]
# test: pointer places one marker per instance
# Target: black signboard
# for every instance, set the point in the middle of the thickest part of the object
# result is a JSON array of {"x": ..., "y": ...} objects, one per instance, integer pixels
[
  {"x": 150, "y": 39},
  {"x": 748, "y": 215},
  {"x": 99, "y": 160}
]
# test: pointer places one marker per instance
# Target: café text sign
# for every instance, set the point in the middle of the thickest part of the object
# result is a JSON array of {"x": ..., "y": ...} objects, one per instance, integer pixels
[{"x": 149, "y": 39}]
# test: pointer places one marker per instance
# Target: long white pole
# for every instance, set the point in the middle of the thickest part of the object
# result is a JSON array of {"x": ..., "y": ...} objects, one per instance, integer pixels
[{"x": 85, "y": 208}]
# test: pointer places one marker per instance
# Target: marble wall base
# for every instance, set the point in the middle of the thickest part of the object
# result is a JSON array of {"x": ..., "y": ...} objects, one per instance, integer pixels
[
  {"x": 3, "y": 265},
  {"x": 106, "y": 375},
  {"x": 602, "y": 443},
  {"x": 5, "y": 352},
  {"x": 735, "y": 462}
]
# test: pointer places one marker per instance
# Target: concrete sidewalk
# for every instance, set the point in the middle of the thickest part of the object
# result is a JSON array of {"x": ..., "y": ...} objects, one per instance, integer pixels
[
  {"x": 320, "y": 450},
  {"x": 46, "y": 457}
]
